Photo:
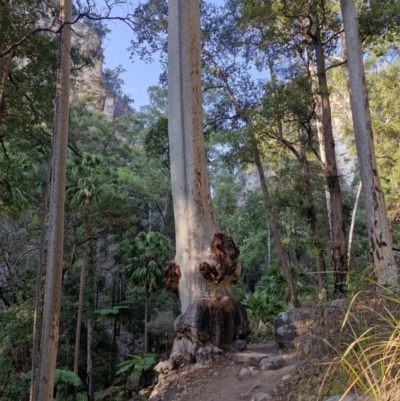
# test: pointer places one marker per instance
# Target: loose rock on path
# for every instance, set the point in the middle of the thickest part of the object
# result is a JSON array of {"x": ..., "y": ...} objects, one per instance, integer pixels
[{"x": 253, "y": 374}]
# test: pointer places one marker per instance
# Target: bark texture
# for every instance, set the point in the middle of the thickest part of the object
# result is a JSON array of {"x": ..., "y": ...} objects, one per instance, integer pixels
[
  {"x": 380, "y": 239},
  {"x": 331, "y": 174},
  {"x": 195, "y": 221},
  {"x": 215, "y": 320},
  {"x": 199, "y": 244},
  {"x": 352, "y": 225},
  {"x": 52, "y": 302}
]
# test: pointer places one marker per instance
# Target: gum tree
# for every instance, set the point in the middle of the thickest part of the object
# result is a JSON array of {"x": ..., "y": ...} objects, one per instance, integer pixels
[
  {"x": 206, "y": 262},
  {"x": 379, "y": 236},
  {"x": 52, "y": 302}
]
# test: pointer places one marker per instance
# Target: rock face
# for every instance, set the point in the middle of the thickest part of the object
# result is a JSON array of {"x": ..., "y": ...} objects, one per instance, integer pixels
[{"x": 89, "y": 84}]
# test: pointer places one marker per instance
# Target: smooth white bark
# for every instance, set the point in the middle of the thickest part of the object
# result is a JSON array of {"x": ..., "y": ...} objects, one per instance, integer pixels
[
  {"x": 380, "y": 239},
  {"x": 195, "y": 221},
  {"x": 52, "y": 302},
  {"x": 353, "y": 223}
]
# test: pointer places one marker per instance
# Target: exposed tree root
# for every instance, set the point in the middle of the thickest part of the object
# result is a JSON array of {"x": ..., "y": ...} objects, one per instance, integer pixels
[{"x": 214, "y": 320}]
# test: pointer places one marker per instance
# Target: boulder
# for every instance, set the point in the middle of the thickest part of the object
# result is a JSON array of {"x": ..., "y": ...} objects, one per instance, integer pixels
[
  {"x": 253, "y": 371},
  {"x": 297, "y": 322},
  {"x": 285, "y": 330},
  {"x": 239, "y": 345},
  {"x": 260, "y": 396},
  {"x": 272, "y": 363},
  {"x": 303, "y": 319},
  {"x": 244, "y": 373},
  {"x": 252, "y": 358},
  {"x": 304, "y": 343}
]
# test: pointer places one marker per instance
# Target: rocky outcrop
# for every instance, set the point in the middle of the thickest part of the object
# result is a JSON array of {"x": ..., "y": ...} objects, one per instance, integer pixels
[
  {"x": 89, "y": 83},
  {"x": 301, "y": 328}
]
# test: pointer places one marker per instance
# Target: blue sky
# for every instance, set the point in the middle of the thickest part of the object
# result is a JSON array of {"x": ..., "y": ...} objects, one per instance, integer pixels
[{"x": 139, "y": 75}]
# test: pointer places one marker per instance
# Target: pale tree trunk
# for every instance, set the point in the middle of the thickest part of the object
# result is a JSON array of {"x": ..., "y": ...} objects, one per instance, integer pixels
[
  {"x": 320, "y": 134},
  {"x": 52, "y": 302},
  {"x": 352, "y": 225},
  {"x": 206, "y": 261},
  {"x": 380, "y": 239},
  {"x": 331, "y": 174}
]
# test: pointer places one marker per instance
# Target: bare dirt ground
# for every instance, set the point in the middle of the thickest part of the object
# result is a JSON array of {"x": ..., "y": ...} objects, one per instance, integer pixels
[{"x": 221, "y": 381}]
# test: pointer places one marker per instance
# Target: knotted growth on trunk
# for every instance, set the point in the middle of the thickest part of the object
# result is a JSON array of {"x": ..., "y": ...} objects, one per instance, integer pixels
[{"x": 223, "y": 261}]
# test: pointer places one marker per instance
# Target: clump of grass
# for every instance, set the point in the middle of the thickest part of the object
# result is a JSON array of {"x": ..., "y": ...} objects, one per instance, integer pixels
[{"x": 370, "y": 361}]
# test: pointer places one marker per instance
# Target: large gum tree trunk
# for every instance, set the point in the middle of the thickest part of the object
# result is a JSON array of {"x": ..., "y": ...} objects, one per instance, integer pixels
[
  {"x": 380, "y": 239},
  {"x": 206, "y": 261}
]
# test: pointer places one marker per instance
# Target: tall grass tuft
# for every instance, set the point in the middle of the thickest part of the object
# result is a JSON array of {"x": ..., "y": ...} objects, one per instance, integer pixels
[{"x": 369, "y": 362}]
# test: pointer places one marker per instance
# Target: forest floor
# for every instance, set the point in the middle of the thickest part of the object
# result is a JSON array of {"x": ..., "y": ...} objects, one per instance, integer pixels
[{"x": 221, "y": 381}]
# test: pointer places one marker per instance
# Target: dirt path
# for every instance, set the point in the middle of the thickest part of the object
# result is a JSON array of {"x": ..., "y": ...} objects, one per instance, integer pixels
[{"x": 221, "y": 381}]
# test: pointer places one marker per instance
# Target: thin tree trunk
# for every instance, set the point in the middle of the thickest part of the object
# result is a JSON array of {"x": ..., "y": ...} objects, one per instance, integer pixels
[
  {"x": 380, "y": 239},
  {"x": 80, "y": 302},
  {"x": 331, "y": 174},
  {"x": 269, "y": 244},
  {"x": 146, "y": 317},
  {"x": 274, "y": 228},
  {"x": 312, "y": 217},
  {"x": 150, "y": 216},
  {"x": 36, "y": 317},
  {"x": 353, "y": 221},
  {"x": 301, "y": 157},
  {"x": 3, "y": 88},
  {"x": 256, "y": 154},
  {"x": 52, "y": 303},
  {"x": 320, "y": 134},
  {"x": 89, "y": 378}
]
